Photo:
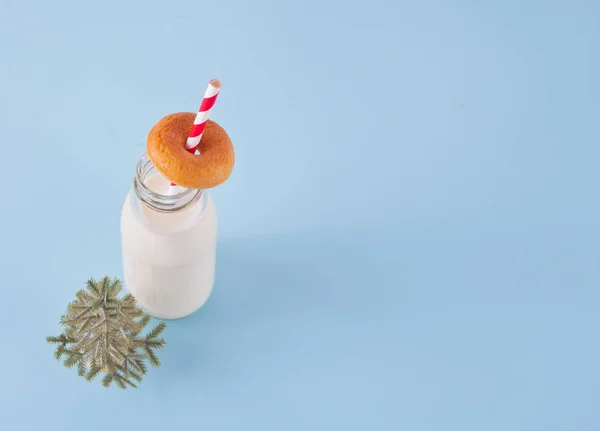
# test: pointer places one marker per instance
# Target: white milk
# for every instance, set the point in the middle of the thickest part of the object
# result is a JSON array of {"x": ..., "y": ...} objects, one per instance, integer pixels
[{"x": 168, "y": 257}]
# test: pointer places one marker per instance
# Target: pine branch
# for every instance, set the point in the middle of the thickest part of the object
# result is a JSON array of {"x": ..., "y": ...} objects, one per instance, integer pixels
[
  {"x": 119, "y": 380},
  {"x": 87, "y": 355},
  {"x": 100, "y": 322},
  {"x": 115, "y": 287},
  {"x": 104, "y": 288},
  {"x": 97, "y": 304},
  {"x": 128, "y": 299},
  {"x": 85, "y": 337},
  {"x": 139, "y": 365},
  {"x": 156, "y": 331},
  {"x": 125, "y": 337},
  {"x": 60, "y": 350},
  {"x": 129, "y": 306},
  {"x": 103, "y": 332},
  {"x": 134, "y": 375},
  {"x": 87, "y": 321},
  {"x": 81, "y": 368},
  {"x": 84, "y": 298},
  {"x": 152, "y": 356},
  {"x": 114, "y": 359},
  {"x": 123, "y": 355},
  {"x": 144, "y": 321},
  {"x": 91, "y": 285},
  {"x": 129, "y": 366},
  {"x": 127, "y": 381},
  {"x": 86, "y": 309},
  {"x": 92, "y": 373},
  {"x": 112, "y": 303},
  {"x": 60, "y": 339},
  {"x": 155, "y": 344},
  {"x": 107, "y": 379},
  {"x": 119, "y": 313},
  {"x": 73, "y": 358},
  {"x": 98, "y": 354}
]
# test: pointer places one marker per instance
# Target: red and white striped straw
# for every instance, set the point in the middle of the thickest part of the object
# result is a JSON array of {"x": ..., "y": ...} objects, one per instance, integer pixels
[
  {"x": 193, "y": 140},
  {"x": 210, "y": 97}
]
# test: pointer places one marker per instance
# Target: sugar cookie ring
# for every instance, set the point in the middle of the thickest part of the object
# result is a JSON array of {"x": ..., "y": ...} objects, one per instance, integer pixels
[{"x": 166, "y": 148}]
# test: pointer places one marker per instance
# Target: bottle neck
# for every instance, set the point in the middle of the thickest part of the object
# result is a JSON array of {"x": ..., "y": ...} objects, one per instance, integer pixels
[{"x": 163, "y": 203}]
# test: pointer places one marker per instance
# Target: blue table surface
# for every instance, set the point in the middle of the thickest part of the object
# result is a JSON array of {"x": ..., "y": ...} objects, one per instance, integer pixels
[{"x": 409, "y": 240}]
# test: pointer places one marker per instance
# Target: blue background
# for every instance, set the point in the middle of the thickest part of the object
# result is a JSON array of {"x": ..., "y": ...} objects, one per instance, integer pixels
[{"x": 409, "y": 240}]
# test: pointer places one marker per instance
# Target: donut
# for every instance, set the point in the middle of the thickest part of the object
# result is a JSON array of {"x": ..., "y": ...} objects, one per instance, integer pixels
[{"x": 165, "y": 146}]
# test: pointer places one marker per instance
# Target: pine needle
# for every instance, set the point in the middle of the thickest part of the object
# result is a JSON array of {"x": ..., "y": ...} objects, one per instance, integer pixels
[
  {"x": 120, "y": 381},
  {"x": 91, "y": 285},
  {"x": 92, "y": 373},
  {"x": 140, "y": 365},
  {"x": 128, "y": 381},
  {"x": 60, "y": 350},
  {"x": 60, "y": 339},
  {"x": 144, "y": 321},
  {"x": 135, "y": 376},
  {"x": 81, "y": 368},
  {"x": 72, "y": 359},
  {"x": 107, "y": 379}
]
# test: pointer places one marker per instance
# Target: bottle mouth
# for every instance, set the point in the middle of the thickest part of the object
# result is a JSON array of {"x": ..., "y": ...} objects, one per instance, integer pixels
[{"x": 157, "y": 201}]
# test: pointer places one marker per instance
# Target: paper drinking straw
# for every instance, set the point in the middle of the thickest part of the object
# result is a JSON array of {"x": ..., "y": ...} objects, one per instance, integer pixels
[
  {"x": 210, "y": 97},
  {"x": 193, "y": 140}
]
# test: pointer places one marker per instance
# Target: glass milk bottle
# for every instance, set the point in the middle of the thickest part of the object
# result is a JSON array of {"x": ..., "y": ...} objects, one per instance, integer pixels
[{"x": 168, "y": 245}]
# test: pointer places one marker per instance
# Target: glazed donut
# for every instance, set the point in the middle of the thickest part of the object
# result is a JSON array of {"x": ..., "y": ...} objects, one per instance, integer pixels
[{"x": 166, "y": 148}]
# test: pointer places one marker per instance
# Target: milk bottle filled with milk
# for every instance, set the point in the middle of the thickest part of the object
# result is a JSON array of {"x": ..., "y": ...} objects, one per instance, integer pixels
[{"x": 168, "y": 244}]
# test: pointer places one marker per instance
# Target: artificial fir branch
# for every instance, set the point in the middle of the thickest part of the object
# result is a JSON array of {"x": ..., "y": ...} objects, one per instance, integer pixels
[{"x": 102, "y": 334}]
